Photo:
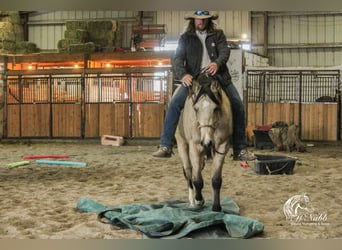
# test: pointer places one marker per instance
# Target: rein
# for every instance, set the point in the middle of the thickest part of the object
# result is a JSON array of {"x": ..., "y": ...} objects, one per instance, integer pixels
[{"x": 224, "y": 153}]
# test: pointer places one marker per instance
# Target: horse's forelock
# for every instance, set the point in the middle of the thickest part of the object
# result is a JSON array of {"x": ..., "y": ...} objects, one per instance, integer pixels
[{"x": 206, "y": 89}]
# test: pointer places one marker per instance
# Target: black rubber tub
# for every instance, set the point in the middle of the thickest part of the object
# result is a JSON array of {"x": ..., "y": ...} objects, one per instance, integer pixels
[{"x": 274, "y": 164}]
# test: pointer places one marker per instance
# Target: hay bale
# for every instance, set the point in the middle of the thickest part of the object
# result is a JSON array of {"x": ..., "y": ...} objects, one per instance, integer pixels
[
  {"x": 103, "y": 42},
  {"x": 64, "y": 44},
  {"x": 7, "y": 36},
  {"x": 88, "y": 47},
  {"x": 25, "y": 47},
  {"x": 94, "y": 25},
  {"x": 8, "y": 45},
  {"x": 104, "y": 39},
  {"x": 80, "y": 35},
  {"x": 74, "y": 25},
  {"x": 61, "y": 44},
  {"x": 117, "y": 37},
  {"x": 6, "y": 26},
  {"x": 4, "y": 52},
  {"x": 18, "y": 32},
  {"x": 10, "y": 16}
]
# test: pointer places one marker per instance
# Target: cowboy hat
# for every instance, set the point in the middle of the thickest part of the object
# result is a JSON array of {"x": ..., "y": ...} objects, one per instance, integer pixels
[{"x": 201, "y": 14}]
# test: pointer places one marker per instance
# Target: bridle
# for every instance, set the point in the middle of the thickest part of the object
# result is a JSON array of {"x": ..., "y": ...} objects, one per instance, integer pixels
[{"x": 205, "y": 89}]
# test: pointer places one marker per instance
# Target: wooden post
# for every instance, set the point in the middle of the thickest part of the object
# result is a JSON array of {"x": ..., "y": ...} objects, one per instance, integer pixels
[
  {"x": 3, "y": 94},
  {"x": 265, "y": 33}
]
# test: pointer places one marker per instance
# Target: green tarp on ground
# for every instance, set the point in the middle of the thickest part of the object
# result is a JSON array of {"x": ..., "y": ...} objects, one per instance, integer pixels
[{"x": 175, "y": 219}]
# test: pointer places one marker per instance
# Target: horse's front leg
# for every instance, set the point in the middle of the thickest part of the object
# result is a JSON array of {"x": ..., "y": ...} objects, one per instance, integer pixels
[
  {"x": 216, "y": 179},
  {"x": 197, "y": 162},
  {"x": 183, "y": 150}
]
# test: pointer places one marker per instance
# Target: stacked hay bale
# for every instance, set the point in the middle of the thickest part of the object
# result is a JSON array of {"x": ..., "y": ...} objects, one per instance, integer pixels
[
  {"x": 12, "y": 35},
  {"x": 118, "y": 34},
  {"x": 87, "y": 36}
]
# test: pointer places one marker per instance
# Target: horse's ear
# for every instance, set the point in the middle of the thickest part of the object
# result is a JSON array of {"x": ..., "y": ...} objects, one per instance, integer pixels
[
  {"x": 196, "y": 87},
  {"x": 215, "y": 87}
]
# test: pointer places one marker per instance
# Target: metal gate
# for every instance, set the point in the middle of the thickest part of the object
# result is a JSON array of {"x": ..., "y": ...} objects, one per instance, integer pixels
[
  {"x": 85, "y": 105},
  {"x": 311, "y": 99}
]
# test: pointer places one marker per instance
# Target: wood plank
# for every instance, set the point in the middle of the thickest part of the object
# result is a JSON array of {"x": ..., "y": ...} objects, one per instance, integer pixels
[
  {"x": 35, "y": 120},
  {"x": 66, "y": 119},
  {"x": 318, "y": 123},
  {"x": 331, "y": 124},
  {"x": 107, "y": 119},
  {"x": 122, "y": 120},
  {"x": 114, "y": 119},
  {"x": 13, "y": 128},
  {"x": 92, "y": 120},
  {"x": 147, "y": 120},
  {"x": 254, "y": 114}
]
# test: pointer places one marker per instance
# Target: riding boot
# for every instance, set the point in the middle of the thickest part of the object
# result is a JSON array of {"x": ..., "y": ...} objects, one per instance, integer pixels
[{"x": 163, "y": 152}]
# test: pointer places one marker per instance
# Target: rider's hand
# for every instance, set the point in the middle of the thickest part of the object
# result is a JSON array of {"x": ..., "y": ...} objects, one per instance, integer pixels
[
  {"x": 187, "y": 80},
  {"x": 211, "y": 68}
]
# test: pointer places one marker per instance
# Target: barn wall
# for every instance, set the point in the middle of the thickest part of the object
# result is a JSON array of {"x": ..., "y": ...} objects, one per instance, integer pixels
[
  {"x": 294, "y": 38},
  {"x": 47, "y": 28},
  {"x": 299, "y": 38},
  {"x": 233, "y": 23}
]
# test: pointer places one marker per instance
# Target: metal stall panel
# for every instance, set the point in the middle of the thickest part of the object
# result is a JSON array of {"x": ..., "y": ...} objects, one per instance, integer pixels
[
  {"x": 306, "y": 98},
  {"x": 13, "y": 107},
  {"x": 66, "y": 106},
  {"x": 107, "y": 105},
  {"x": 35, "y": 107},
  {"x": 149, "y": 92},
  {"x": 129, "y": 105},
  {"x": 28, "y": 108}
]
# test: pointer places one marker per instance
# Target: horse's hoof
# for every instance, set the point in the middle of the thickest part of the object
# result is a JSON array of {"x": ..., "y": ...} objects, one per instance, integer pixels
[
  {"x": 199, "y": 203},
  {"x": 216, "y": 208}
]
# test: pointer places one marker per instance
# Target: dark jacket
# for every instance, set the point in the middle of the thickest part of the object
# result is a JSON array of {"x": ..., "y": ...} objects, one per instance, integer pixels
[{"x": 188, "y": 57}]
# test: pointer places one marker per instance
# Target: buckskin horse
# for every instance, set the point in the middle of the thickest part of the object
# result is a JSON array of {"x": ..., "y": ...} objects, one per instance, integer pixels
[{"x": 204, "y": 132}]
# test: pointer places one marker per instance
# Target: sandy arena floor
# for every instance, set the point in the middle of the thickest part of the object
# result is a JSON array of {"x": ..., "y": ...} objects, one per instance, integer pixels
[{"x": 38, "y": 201}]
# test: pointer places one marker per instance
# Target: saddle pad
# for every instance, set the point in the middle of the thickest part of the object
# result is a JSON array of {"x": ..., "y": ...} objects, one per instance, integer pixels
[{"x": 175, "y": 219}]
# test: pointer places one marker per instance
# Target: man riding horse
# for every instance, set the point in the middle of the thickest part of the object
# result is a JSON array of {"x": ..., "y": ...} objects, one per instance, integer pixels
[{"x": 202, "y": 46}]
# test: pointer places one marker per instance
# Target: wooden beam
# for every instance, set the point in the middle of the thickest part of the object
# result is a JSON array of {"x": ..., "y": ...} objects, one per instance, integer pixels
[
  {"x": 87, "y": 71},
  {"x": 63, "y": 57}
]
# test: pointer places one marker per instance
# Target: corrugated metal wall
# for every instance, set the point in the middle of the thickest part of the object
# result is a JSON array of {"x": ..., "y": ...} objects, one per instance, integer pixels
[
  {"x": 300, "y": 38},
  {"x": 47, "y": 28},
  {"x": 233, "y": 23},
  {"x": 294, "y": 38}
]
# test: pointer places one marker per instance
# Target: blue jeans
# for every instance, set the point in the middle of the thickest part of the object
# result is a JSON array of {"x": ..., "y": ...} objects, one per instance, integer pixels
[{"x": 177, "y": 103}]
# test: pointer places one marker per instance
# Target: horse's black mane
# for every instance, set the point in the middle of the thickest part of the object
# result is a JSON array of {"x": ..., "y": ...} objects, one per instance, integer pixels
[{"x": 205, "y": 81}]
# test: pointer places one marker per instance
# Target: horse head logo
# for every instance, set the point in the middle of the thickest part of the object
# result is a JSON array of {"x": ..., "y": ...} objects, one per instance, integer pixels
[{"x": 296, "y": 206}]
